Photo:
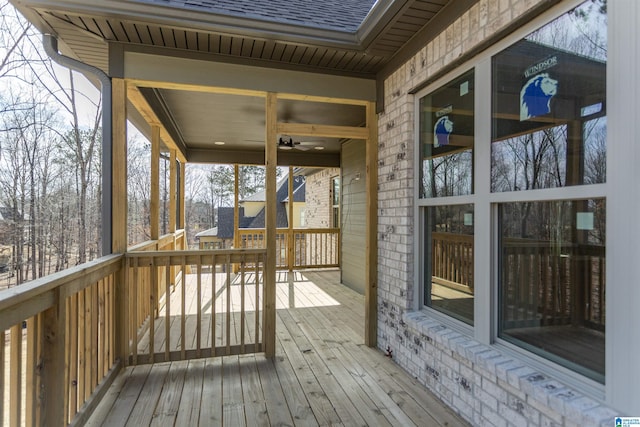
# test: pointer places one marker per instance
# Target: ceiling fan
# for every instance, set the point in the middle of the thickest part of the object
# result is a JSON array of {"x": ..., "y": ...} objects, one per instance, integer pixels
[{"x": 289, "y": 144}]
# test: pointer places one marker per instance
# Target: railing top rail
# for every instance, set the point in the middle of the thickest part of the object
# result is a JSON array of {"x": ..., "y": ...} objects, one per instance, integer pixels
[
  {"x": 195, "y": 252},
  {"x": 80, "y": 276},
  {"x": 295, "y": 230},
  {"x": 162, "y": 240}
]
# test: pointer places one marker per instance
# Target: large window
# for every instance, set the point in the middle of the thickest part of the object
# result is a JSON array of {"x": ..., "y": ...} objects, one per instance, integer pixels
[
  {"x": 449, "y": 263},
  {"x": 549, "y": 131},
  {"x": 446, "y": 139},
  {"x": 511, "y": 193},
  {"x": 446, "y": 170}
]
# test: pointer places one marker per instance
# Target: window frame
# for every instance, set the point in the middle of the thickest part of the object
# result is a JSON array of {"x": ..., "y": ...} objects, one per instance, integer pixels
[
  {"x": 335, "y": 207},
  {"x": 486, "y": 204}
]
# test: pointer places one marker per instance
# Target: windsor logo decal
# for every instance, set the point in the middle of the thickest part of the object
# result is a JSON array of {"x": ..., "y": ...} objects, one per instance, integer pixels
[
  {"x": 441, "y": 131},
  {"x": 536, "y": 94}
]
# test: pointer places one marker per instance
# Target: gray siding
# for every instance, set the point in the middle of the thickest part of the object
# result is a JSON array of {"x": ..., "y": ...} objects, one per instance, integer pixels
[{"x": 353, "y": 213}]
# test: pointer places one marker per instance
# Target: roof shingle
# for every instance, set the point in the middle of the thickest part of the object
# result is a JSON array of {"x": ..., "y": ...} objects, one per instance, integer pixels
[{"x": 336, "y": 15}]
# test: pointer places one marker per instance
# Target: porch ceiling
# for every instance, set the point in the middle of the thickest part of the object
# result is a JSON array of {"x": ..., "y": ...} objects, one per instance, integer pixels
[{"x": 306, "y": 40}]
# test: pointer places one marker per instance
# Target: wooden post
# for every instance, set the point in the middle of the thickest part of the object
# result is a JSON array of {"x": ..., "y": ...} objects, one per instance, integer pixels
[
  {"x": 236, "y": 207},
  {"x": 271, "y": 160},
  {"x": 119, "y": 214},
  {"x": 173, "y": 192},
  {"x": 371, "y": 292},
  {"x": 52, "y": 400},
  {"x": 155, "y": 182},
  {"x": 290, "y": 239},
  {"x": 182, "y": 223}
]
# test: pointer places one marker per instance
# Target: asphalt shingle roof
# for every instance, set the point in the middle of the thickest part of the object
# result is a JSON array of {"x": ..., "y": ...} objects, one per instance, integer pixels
[
  {"x": 338, "y": 15},
  {"x": 225, "y": 215}
]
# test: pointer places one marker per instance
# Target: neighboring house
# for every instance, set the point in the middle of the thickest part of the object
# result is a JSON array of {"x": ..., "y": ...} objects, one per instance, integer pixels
[
  {"x": 254, "y": 206},
  {"x": 7, "y": 229},
  {"x": 252, "y": 212},
  {"x": 500, "y": 162},
  {"x": 208, "y": 239}
]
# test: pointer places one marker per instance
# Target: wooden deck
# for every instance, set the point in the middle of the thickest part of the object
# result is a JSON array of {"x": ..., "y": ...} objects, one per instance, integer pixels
[{"x": 322, "y": 375}]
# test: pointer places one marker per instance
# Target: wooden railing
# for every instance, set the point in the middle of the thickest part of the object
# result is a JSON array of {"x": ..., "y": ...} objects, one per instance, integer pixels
[
  {"x": 57, "y": 349},
  {"x": 452, "y": 260},
  {"x": 298, "y": 248},
  {"x": 547, "y": 285},
  {"x": 536, "y": 279},
  {"x": 66, "y": 336},
  {"x": 212, "y": 312}
]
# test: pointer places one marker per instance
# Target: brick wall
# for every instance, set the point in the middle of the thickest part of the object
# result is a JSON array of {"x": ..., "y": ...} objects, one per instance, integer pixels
[
  {"x": 483, "y": 385},
  {"x": 318, "y": 198}
]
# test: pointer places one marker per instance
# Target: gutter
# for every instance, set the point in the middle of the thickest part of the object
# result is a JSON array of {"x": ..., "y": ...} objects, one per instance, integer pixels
[{"x": 50, "y": 44}]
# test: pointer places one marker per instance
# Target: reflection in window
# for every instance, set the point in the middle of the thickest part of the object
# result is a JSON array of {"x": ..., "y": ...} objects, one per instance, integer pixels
[
  {"x": 446, "y": 139},
  {"x": 552, "y": 281},
  {"x": 449, "y": 262},
  {"x": 335, "y": 202},
  {"x": 549, "y": 106}
]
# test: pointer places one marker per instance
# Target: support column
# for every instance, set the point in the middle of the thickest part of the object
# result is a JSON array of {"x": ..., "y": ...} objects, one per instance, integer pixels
[
  {"x": 182, "y": 222},
  {"x": 371, "y": 292},
  {"x": 271, "y": 160},
  {"x": 290, "y": 236},
  {"x": 119, "y": 211},
  {"x": 155, "y": 182},
  {"x": 236, "y": 207},
  {"x": 173, "y": 192}
]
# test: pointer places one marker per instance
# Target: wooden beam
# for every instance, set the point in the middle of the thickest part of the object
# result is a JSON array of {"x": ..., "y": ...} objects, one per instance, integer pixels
[
  {"x": 173, "y": 191},
  {"x": 271, "y": 161},
  {"x": 256, "y": 157},
  {"x": 327, "y": 131},
  {"x": 155, "y": 182},
  {"x": 371, "y": 291},
  {"x": 197, "y": 88},
  {"x": 140, "y": 103},
  {"x": 325, "y": 99}
]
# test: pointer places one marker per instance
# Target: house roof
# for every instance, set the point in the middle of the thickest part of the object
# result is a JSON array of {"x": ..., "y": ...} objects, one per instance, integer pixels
[
  {"x": 338, "y": 15},
  {"x": 7, "y": 214},
  {"x": 282, "y": 188},
  {"x": 298, "y": 193},
  {"x": 211, "y": 232}
]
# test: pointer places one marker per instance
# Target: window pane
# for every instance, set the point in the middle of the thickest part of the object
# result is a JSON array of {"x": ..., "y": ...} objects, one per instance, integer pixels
[
  {"x": 549, "y": 105},
  {"x": 449, "y": 261},
  {"x": 552, "y": 281},
  {"x": 446, "y": 139}
]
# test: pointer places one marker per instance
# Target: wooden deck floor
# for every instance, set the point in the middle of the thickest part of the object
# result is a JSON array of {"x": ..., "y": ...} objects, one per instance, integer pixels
[{"x": 322, "y": 375}]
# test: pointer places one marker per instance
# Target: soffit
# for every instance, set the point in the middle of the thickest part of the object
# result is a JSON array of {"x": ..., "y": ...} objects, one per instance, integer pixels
[{"x": 197, "y": 120}]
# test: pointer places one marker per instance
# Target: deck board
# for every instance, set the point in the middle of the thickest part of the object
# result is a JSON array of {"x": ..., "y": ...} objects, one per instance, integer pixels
[{"x": 322, "y": 373}]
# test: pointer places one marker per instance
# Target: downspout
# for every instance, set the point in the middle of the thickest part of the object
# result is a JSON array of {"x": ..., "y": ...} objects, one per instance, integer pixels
[{"x": 50, "y": 44}]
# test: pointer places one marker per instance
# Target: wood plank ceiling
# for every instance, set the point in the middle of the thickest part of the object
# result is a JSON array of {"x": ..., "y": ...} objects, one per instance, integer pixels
[{"x": 390, "y": 36}]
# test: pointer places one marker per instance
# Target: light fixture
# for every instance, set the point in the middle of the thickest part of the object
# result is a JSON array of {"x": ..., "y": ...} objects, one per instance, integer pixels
[
  {"x": 318, "y": 147},
  {"x": 219, "y": 143},
  {"x": 284, "y": 144}
]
